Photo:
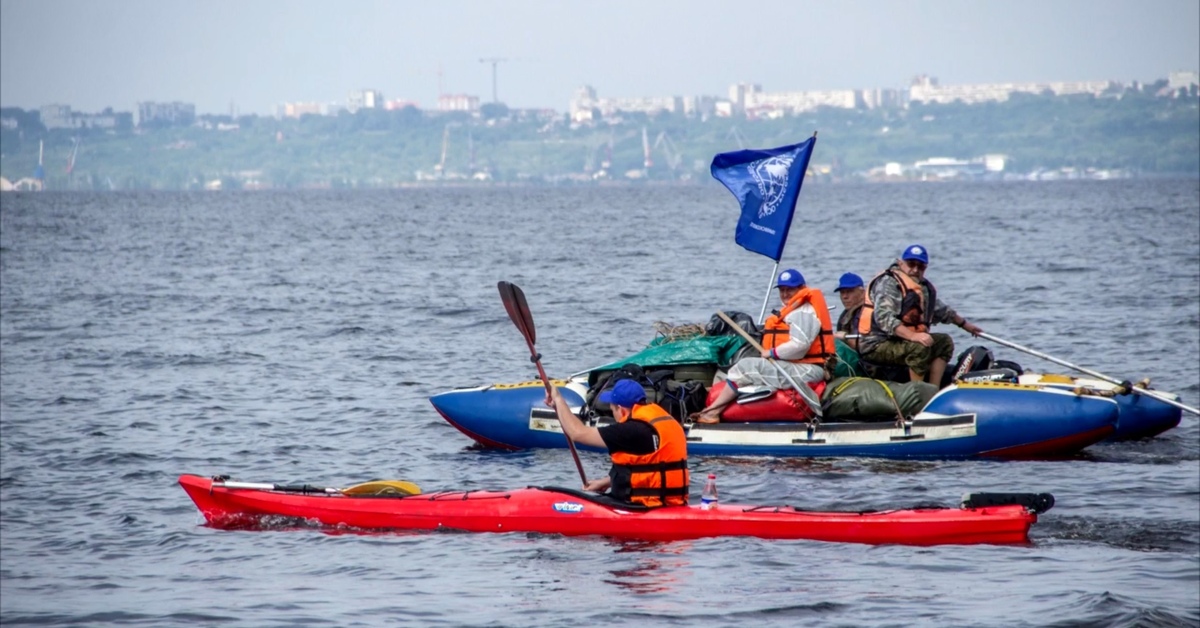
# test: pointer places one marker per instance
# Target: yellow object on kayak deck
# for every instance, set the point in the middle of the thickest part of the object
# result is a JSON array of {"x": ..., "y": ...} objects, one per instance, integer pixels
[{"x": 383, "y": 487}]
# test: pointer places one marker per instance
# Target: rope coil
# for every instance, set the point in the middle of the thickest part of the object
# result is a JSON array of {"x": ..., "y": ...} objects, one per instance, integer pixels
[{"x": 682, "y": 331}]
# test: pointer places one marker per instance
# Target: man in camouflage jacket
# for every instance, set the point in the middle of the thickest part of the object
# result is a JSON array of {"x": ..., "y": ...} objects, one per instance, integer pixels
[{"x": 891, "y": 341}]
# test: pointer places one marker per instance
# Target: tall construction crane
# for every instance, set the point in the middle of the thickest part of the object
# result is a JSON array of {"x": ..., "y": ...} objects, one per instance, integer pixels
[
  {"x": 737, "y": 135},
  {"x": 668, "y": 148},
  {"x": 494, "y": 61},
  {"x": 39, "y": 173},
  {"x": 646, "y": 160},
  {"x": 471, "y": 151},
  {"x": 440, "y": 167}
]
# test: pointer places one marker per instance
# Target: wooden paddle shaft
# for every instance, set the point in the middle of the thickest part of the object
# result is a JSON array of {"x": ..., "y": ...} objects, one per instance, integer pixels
[
  {"x": 754, "y": 343},
  {"x": 518, "y": 311},
  {"x": 570, "y": 442},
  {"x": 741, "y": 332}
]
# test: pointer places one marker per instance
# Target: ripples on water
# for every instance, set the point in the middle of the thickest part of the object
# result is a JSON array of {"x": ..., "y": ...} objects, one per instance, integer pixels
[{"x": 297, "y": 337}]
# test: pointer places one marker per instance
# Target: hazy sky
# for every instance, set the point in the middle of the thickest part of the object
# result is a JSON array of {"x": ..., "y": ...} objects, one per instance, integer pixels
[{"x": 256, "y": 54}]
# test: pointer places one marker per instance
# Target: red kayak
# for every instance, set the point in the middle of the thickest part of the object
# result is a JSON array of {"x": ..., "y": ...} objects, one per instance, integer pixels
[{"x": 983, "y": 518}]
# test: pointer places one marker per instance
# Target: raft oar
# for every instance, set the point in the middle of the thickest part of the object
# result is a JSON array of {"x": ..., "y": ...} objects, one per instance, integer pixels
[
  {"x": 518, "y": 311},
  {"x": 374, "y": 487},
  {"x": 1100, "y": 376},
  {"x": 816, "y": 408}
]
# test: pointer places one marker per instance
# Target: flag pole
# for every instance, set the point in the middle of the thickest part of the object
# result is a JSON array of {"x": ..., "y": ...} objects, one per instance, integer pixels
[{"x": 767, "y": 297}]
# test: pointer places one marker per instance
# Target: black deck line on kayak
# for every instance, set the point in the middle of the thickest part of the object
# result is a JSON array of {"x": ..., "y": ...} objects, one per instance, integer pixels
[
  {"x": 1036, "y": 502},
  {"x": 465, "y": 495},
  {"x": 796, "y": 510},
  {"x": 383, "y": 496},
  {"x": 783, "y": 508},
  {"x": 596, "y": 498}
]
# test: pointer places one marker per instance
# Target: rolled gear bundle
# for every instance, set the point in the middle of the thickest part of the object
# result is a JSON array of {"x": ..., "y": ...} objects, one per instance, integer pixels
[{"x": 865, "y": 399}]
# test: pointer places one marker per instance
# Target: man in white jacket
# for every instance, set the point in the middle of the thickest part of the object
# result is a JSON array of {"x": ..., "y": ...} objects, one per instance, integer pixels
[{"x": 804, "y": 323}]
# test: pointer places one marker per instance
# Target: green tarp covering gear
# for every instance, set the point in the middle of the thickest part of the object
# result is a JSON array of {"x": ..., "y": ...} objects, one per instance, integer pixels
[
  {"x": 719, "y": 351},
  {"x": 861, "y": 398}
]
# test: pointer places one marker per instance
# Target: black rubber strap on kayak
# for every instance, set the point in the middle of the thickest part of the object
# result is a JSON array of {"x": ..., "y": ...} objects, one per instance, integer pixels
[
  {"x": 1037, "y": 502},
  {"x": 300, "y": 488}
]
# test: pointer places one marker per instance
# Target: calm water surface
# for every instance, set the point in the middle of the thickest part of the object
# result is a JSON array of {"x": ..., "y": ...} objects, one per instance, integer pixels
[{"x": 282, "y": 337}]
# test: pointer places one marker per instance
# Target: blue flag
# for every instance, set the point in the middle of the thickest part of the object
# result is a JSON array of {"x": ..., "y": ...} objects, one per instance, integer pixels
[{"x": 767, "y": 185}]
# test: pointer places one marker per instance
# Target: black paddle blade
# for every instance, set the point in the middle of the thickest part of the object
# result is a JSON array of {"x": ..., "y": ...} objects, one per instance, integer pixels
[
  {"x": 518, "y": 309},
  {"x": 526, "y": 315},
  {"x": 508, "y": 296}
]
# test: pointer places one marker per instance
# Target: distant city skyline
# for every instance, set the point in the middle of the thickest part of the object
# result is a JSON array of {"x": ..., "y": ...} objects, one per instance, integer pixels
[{"x": 253, "y": 57}]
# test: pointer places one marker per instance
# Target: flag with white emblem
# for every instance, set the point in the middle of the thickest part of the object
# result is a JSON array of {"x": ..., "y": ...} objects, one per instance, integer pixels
[{"x": 767, "y": 184}]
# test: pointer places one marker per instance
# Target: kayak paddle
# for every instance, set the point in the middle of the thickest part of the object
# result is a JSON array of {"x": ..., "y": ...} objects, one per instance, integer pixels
[{"x": 518, "y": 311}]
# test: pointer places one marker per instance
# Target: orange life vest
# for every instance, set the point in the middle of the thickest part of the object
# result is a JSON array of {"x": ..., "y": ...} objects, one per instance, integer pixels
[
  {"x": 776, "y": 330},
  {"x": 659, "y": 478},
  {"x": 915, "y": 313}
]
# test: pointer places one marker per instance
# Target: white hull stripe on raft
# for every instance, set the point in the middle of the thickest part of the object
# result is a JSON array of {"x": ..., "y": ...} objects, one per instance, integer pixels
[{"x": 927, "y": 427}]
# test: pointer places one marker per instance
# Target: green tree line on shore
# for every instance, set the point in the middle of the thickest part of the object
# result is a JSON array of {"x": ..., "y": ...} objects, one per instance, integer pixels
[{"x": 1138, "y": 132}]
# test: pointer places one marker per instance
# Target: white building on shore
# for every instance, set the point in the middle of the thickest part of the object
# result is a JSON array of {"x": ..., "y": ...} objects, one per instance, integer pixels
[{"x": 926, "y": 89}]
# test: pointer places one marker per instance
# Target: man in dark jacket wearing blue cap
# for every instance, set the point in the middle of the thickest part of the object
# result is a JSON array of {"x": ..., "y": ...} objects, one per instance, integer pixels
[
  {"x": 853, "y": 294},
  {"x": 900, "y": 309}
]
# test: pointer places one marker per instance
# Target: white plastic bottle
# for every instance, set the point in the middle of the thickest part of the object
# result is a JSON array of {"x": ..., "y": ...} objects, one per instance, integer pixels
[{"x": 708, "y": 498}]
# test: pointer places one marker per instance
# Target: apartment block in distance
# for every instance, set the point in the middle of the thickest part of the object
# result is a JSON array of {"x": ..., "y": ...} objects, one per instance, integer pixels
[{"x": 166, "y": 113}]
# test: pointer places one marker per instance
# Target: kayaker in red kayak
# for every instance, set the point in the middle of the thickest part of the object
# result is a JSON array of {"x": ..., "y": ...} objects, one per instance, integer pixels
[{"x": 647, "y": 445}]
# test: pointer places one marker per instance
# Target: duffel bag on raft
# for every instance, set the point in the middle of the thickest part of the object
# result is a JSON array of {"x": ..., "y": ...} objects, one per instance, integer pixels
[
  {"x": 779, "y": 405},
  {"x": 679, "y": 398},
  {"x": 865, "y": 399}
]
